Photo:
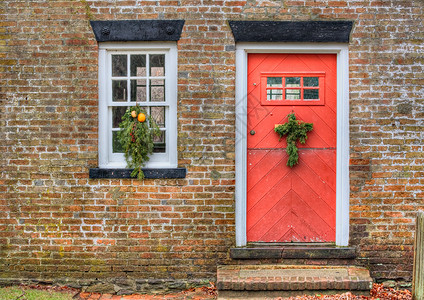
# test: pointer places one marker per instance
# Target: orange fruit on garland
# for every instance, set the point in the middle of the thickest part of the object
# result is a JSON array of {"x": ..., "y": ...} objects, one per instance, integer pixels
[
  {"x": 133, "y": 114},
  {"x": 141, "y": 117}
]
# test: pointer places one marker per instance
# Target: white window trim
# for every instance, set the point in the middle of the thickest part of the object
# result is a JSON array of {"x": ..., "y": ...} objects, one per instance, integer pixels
[
  {"x": 342, "y": 181},
  {"x": 159, "y": 160}
]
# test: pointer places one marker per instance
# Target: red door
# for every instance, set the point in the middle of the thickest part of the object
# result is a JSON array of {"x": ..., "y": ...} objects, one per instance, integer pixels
[{"x": 291, "y": 204}]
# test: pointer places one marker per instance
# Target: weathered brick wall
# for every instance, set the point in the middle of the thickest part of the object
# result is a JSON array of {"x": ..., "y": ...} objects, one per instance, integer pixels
[
  {"x": 56, "y": 223},
  {"x": 386, "y": 134}
]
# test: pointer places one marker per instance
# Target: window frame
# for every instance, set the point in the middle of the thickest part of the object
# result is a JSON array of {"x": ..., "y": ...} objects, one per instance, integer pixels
[
  {"x": 342, "y": 189},
  {"x": 107, "y": 159},
  {"x": 284, "y": 101}
]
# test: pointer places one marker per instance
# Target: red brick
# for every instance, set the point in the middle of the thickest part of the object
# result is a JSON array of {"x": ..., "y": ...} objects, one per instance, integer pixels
[{"x": 49, "y": 62}]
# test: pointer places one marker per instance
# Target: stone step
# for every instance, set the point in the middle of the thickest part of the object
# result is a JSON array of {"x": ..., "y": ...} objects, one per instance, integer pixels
[
  {"x": 292, "y": 252},
  {"x": 273, "y": 281}
]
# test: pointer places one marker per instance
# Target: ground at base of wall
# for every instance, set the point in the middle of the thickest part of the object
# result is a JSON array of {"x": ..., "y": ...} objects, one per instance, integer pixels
[
  {"x": 66, "y": 293},
  {"x": 379, "y": 291},
  {"x": 200, "y": 293}
]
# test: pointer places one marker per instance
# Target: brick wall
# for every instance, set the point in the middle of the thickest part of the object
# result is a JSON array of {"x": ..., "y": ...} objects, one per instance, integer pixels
[{"x": 56, "y": 223}]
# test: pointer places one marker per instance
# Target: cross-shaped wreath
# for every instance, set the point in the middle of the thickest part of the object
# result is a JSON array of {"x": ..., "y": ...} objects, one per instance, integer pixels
[{"x": 296, "y": 131}]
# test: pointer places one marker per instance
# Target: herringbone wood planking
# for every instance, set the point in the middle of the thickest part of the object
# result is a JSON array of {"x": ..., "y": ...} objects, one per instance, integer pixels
[{"x": 297, "y": 200}]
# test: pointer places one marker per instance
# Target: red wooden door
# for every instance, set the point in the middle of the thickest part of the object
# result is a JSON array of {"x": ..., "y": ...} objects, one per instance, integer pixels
[{"x": 291, "y": 204}]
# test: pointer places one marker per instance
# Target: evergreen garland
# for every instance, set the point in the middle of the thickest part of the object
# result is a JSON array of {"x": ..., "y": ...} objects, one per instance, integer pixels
[
  {"x": 296, "y": 131},
  {"x": 136, "y": 137}
]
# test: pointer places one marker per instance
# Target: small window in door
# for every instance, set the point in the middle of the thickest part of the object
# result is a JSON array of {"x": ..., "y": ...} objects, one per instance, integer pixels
[{"x": 292, "y": 88}]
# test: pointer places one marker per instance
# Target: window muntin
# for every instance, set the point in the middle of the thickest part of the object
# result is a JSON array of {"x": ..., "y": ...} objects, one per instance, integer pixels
[
  {"x": 145, "y": 76},
  {"x": 292, "y": 88},
  {"x": 129, "y": 70}
]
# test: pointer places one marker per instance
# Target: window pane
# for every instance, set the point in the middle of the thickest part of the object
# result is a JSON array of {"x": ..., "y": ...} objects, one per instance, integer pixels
[
  {"x": 138, "y": 65},
  {"x": 138, "y": 90},
  {"x": 292, "y": 81},
  {"x": 160, "y": 145},
  {"x": 117, "y": 114},
  {"x": 310, "y": 81},
  {"x": 157, "y": 65},
  {"x": 157, "y": 90},
  {"x": 292, "y": 94},
  {"x": 119, "y": 65},
  {"x": 119, "y": 90},
  {"x": 116, "y": 145},
  {"x": 311, "y": 94},
  {"x": 274, "y": 82},
  {"x": 158, "y": 115},
  {"x": 274, "y": 94}
]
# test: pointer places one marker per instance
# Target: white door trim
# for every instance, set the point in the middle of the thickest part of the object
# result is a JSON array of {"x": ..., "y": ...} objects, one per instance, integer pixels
[{"x": 342, "y": 183}]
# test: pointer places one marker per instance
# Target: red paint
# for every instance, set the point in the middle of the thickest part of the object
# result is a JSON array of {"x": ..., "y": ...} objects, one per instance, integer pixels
[{"x": 291, "y": 204}]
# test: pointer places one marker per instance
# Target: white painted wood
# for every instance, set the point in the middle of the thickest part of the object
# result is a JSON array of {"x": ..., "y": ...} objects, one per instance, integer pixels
[
  {"x": 108, "y": 159},
  {"x": 342, "y": 183},
  {"x": 418, "y": 272},
  {"x": 103, "y": 123},
  {"x": 127, "y": 46},
  {"x": 342, "y": 193},
  {"x": 241, "y": 146},
  {"x": 172, "y": 130}
]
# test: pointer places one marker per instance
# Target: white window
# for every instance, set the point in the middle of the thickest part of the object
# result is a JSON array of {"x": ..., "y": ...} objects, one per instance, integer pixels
[{"x": 144, "y": 74}]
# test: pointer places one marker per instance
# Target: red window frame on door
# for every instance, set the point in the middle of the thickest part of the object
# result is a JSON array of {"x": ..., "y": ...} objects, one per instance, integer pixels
[{"x": 299, "y": 88}]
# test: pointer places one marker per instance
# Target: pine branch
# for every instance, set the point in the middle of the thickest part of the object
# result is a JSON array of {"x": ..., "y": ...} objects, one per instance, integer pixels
[
  {"x": 136, "y": 138},
  {"x": 296, "y": 131}
]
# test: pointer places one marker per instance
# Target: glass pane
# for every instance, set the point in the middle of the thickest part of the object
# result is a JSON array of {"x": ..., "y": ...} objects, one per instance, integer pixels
[
  {"x": 157, "y": 90},
  {"x": 160, "y": 144},
  {"x": 274, "y": 94},
  {"x": 292, "y": 94},
  {"x": 138, "y": 90},
  {"x": 119, "y": 65},
  {"x": 158, "y": 114},
  {"x": 117, "y": 114},
  {"x": 157, "y": 65},
  {"x": 311, "y": 94},
  {"x": 292, "y": 81},
  {"x": 116, "y": 145},
  {"x": 138, "y": 65},
  {"x": 310, "y": 81},
  {"x": 274, "y": 82},
  {"x": 119, "y": 90}
]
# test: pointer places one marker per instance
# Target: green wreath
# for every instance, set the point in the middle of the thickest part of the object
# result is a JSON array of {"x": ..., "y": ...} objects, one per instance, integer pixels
[
  {"x": 295, "y": 130},
  {"x": 136, "y": 138}
]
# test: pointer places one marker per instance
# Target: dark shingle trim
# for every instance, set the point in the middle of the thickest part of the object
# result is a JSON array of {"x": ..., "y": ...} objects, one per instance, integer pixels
[
  {"x": 98, "y": 173},
  {"x": 137, "y": 30},
  {"x": 288, "y": 31}
]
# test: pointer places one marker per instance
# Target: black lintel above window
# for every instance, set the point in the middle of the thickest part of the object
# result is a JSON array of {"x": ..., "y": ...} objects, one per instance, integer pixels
[
  {"x": 137, "y": 30},
  {"x": 149, "y": 173},
  {"x": 292, "y": 31}
]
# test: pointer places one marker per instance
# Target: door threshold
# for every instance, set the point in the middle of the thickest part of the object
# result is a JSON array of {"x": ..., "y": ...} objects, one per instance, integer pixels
[{"x": 292, "y": 251}]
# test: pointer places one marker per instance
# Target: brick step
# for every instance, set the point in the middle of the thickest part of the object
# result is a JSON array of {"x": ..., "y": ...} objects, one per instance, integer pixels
[{"x": 272, "y": 281}]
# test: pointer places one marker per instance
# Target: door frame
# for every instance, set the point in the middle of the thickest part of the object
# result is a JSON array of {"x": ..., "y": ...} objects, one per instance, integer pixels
[{"x": 342, "y": 170}]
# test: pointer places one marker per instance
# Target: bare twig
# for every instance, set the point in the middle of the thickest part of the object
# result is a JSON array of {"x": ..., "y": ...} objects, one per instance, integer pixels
[
  {"x": 23, "y": 293},
  {"x": 76, "y": 296}
]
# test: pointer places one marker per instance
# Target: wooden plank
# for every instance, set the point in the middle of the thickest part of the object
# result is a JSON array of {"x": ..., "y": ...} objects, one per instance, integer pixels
[
  {"x": 271, "y": 205},
  {"x": 418, "y": 273}
]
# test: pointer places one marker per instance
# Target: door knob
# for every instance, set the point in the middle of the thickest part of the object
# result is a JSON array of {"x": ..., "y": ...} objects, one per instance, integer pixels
[{"x": 252, "y": 132}]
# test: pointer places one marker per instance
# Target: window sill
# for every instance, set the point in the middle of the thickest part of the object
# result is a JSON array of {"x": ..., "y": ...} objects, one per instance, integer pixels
[{"x": 169, "y": 173}]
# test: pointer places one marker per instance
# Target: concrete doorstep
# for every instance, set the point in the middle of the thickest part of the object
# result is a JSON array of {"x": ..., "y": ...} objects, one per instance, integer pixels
[{"x": 273, "y": 281}]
